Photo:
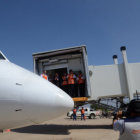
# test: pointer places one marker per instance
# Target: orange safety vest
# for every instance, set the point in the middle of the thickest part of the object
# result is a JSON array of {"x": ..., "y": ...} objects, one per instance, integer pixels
[
  {"x": 64, "y": 80},
  {"x": 71, "y": 79},
  {"x": 74, "y": 111},
  {"x": 80, "y": 79},
  {"x": 45, "y": 76},
  {"x": 82, "y": 111}
]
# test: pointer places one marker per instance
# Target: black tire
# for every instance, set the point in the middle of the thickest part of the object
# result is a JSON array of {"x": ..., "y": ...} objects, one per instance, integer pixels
[{"x": 92, "y": 116}]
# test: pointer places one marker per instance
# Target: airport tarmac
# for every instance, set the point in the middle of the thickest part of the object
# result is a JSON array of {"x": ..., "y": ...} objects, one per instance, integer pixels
[{"x": 64, "y": 128}]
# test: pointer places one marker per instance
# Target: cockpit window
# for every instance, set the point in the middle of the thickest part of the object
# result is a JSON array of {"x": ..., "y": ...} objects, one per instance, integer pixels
[{"x": 2, "y": 57}]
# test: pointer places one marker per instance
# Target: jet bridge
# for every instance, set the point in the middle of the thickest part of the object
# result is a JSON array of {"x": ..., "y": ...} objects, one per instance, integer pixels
[
  {"x": 106, "y": 81},
  {"x": 117, "y": 80}
]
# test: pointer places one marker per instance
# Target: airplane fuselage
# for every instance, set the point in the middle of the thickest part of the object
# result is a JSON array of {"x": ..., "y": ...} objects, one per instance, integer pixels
[{"x": 26, "y": 98}]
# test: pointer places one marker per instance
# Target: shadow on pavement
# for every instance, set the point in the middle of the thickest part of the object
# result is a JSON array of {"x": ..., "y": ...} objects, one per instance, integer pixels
[{"x": 57, "y": 129}]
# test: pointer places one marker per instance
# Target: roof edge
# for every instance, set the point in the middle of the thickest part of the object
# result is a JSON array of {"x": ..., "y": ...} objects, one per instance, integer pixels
[{"x": 51, "y": 51}]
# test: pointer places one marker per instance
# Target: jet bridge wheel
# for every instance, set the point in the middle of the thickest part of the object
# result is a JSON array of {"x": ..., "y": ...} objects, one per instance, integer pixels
[{"x": 92, "y": 116}]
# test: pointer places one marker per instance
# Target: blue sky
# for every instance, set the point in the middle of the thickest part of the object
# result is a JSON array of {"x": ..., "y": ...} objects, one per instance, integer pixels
[{"x": 30, "y": 26}]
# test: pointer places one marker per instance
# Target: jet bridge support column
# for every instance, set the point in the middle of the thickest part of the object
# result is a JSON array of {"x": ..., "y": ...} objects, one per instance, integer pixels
[
  {"x": 127, "y": 73},
  {"x": 115, "y": 58}
]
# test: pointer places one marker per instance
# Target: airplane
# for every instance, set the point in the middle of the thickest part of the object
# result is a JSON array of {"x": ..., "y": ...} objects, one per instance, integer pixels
[{"x": 26, "y": 98}]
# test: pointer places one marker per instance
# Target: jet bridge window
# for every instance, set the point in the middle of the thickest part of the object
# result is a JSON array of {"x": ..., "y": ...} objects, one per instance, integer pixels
[{"x": 1, "y": 57}]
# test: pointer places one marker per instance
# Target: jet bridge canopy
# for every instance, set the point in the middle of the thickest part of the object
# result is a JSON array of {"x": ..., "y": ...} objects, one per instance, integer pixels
[{"x": 63, "y": 61}]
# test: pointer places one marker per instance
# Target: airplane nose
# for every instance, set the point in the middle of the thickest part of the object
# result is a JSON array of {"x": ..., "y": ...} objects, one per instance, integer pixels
[
  {"x": 63, "y": 100},
  {"x": 44, "y": 101}
]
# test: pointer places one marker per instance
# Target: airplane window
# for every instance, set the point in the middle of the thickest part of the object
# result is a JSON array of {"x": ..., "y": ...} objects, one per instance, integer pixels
[{"x": 2, "y": 57}]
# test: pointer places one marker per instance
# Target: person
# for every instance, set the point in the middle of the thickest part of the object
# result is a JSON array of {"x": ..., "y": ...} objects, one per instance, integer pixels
[
  {"x": 65, "y": 83},
  {"x": 74, "y": 114},
  {"x": 75, "y": 86},
  {"x": 83, "y": 114},
  {"x": 130, "y": 126},
  {"x": 56, "y": 80},
  {"x": 71, "y": 81},
  {"x": 50, "y": 78},
  {"x": 81, "y": 84},
  {"x": 44, "y": 75}
]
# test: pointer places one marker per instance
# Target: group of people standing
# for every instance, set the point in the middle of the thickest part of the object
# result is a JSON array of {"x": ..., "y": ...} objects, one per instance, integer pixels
[
  {"x": 70, "y": 83},
  {"x": 73, "y": 84},
  {"x": 82, "y": 114}
]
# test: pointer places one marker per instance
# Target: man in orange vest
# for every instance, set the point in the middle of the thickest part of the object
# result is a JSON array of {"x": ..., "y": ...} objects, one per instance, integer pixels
[
  {"x": 74, "y": 114},
  {"x": 83, "y": 114},
  {"x": 71, "y": 81},
  {"x": 81, "y": 84},
  {"x": 76, "y": 86},
  {"x": 44, "y": 75},
  {"x": 65, "y": 83}
]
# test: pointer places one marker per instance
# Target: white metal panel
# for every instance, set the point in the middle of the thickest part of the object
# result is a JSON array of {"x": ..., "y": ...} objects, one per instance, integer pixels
[
  {"x": 135, "y": 76},
  {"x": 107, "y": 81},
  {"x": 75, "y": 64},
  {"x": 58, "y": 52},
  {"x": 59, "y": 66},
  {"x": 40, "y": 68},
  {"x": 88, "y": 93}
]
